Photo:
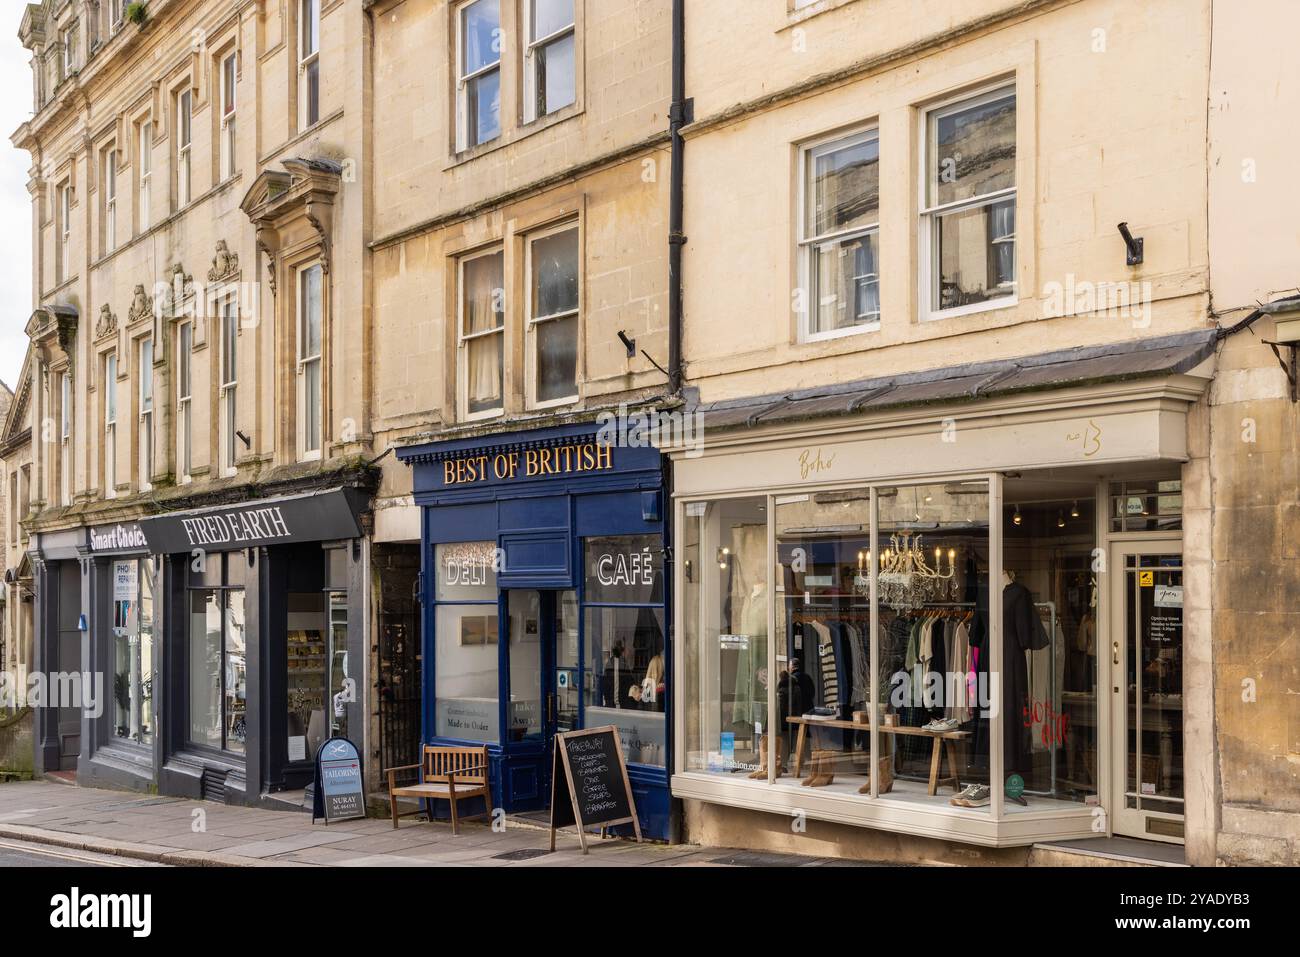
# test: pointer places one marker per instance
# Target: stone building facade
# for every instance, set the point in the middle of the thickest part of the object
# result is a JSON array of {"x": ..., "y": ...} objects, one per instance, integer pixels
[
  {"x": 988, "y": 312},
  {"x": 1004, "y": 272},
  {"x": 196, "y": 334}
]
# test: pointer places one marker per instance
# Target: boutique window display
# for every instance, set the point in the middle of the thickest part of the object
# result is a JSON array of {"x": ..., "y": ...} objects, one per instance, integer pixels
[
  {"x": 725, "y": 593},
  {"x": 937, "y": 681},
  {"x": 823, "y": 654},
  {"x": 799, "y": 711},
  {"x": 1051, "y": 589}
]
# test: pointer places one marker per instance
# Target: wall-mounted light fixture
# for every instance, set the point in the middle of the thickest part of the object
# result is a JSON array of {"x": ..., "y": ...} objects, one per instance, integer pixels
[
  {"x": 628, "y": 343},
  {"x": 1134, "y": 245},
  {"x": 724, "y": 557}
]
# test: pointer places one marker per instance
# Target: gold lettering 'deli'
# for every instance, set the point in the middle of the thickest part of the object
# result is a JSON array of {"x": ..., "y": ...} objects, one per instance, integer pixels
[{"x": 570, "y": 459}]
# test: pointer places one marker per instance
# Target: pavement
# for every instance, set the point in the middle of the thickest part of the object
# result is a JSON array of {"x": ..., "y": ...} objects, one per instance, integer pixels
[{"x": 179, "y": 832}]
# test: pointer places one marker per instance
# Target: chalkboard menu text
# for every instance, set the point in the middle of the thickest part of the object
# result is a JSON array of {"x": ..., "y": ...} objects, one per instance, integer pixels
[{"x": 591, "y": 766}]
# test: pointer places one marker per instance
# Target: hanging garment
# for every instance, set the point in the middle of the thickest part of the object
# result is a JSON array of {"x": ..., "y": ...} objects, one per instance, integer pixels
[
  {"x": 750, "y": 657},
  {"x": 957, "y": 676},
  {"x": 861, "y": 664},
  {"x": 1020, "y": 630}
]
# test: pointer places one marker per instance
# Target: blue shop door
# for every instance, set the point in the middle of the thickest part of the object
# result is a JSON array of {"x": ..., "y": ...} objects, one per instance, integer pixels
[{"x": 543, "y": 690}]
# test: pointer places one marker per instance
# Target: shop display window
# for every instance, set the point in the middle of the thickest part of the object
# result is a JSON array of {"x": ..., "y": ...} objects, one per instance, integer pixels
[
  {"x": 524, "y": 620},
  {"x": 920, "y": 654},
  {"x": 938, "y": 684},
  {"x": 466, "y": 675},
  {"x": 1049, "y": 529},
  {"x": 218, "y": 669},
  {"x": 133, "y": 650},
  {"x": 626, "y": 674},
  {"x": 725, "y": 598},
  {"x": 217, "y": 654}
]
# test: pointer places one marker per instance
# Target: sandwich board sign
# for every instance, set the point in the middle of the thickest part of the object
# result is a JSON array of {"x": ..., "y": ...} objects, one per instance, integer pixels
[
  {"x": 340, "y": 792},
  {"x": 589, "y": 765}
]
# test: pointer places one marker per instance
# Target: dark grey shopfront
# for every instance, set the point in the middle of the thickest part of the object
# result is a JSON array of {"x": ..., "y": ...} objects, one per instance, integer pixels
[{"x": 261, "y": 606}]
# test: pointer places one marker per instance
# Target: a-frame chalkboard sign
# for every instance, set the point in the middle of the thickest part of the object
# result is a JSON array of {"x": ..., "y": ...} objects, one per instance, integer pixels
[{"x": 589, "y": 765}]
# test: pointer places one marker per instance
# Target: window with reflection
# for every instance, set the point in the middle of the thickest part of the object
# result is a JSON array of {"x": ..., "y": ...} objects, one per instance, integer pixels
[
  {"x": 726, "y": 599},
  {"x": 627, "y": 676},
  {"x": 466, "y": 638},
  {"x": 1049, "y": 529},
  {"x": 218, "y": 663},
  {"x": 823, "y": 656},
  {"x": 969, "y": 205},
  {"x": 133, "y": 625},
  {"x": 936, "y": 681}
]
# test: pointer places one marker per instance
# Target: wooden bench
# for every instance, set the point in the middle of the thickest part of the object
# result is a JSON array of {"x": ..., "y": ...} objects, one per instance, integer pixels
[{"x": 446, "y": 774}]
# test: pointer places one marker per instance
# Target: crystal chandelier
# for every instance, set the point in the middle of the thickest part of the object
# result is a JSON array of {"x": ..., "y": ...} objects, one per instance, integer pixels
[{"x": 907, "y": 580}]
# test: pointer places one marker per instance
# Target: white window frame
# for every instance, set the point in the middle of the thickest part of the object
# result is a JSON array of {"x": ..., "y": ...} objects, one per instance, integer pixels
[
  {"x": 184, "y": 147},
  {"x": 308, "y": 60},
  {"x": 110, "y": 425},
  {"x": 145, "y": 161},
  {"x": 808, "y": 245},
  {"x": 928, "y": 234},
  {"x": 531, "y": 321},
  {"x": 464, "y": 79},
  {"x": 144, "y": 431},
  {"x": 228, "y": 389},
  {"x": 184, "y": 400},
  {"x": 70, "y": 51},
  {"x": 310, "y": 448},
  {"x": 65, "y": 232},
  {"x": 110, "y": 199},
  {"x": 532, "y": 61},
  {"x": 65, "y": 438},
  {"x": 463, "y": 340},
  {"x": 115, "y": 20},
  {"x": 229, "y": 90}
]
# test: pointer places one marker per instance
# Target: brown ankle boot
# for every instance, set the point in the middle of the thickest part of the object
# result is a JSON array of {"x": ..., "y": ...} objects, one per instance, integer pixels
[
  {"x": 814, "y": 770},
  {"x": 762, "y": 759},
  {"x": 823, "y": 770},
  {"x": 777, "y": 752}
]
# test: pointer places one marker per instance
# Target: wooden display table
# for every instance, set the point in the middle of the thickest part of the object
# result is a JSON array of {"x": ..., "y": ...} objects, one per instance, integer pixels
[{"x": 943, "y": 741}]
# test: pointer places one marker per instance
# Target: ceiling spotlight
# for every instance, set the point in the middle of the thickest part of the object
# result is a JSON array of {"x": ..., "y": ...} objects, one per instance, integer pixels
[
  {"x": 1074, "y": 510},
  {"x": 1060, "y": 520},
  {"x": 1016, "y": 517}
]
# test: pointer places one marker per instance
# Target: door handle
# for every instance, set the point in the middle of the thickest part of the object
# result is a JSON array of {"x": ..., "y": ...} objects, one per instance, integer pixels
[
  {"x": 1115, "y": 659},
  {"x": 550, "y": 707}
]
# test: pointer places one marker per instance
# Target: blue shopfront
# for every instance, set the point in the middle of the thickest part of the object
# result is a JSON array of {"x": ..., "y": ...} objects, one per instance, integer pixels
[{"x": 545, "y": 605}]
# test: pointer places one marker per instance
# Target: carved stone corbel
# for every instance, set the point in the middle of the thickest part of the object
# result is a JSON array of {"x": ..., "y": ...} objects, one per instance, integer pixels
[
  {"x": 141, "y": 305},
  {"x": 224, "y": 264},
  {"x": 107, "y": 324}
]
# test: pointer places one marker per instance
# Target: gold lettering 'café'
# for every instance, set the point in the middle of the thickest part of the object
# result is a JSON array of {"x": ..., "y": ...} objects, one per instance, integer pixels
[{"x": 531, "y": 463}]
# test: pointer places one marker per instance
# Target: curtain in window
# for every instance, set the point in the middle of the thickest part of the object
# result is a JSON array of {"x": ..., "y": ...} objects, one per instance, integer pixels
[{"x": 482, "y": 313}]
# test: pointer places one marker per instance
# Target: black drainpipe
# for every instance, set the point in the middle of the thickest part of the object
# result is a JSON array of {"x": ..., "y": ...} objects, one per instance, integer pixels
[{"x": 679, "y": 114}]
